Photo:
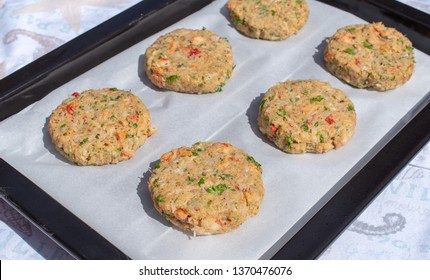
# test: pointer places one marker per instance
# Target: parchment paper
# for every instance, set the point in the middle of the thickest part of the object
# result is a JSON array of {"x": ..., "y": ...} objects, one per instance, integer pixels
[{"x": 114, "y": 199}]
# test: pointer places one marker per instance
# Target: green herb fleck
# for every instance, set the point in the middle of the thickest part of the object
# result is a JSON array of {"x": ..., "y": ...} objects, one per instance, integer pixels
[
  {"x": 218, "y": 189},
  {"x": 320, "y": 136},
  {"x": 83, "y": 141},
  {"x": 282, "y": 112},
  {"x": 157, "y": 165},
  {"x": 250, "y": 158},
  {"x": 97, "y": 136},
  {"x": 208, "y": 204},
  {"x": 115, "y": 98},
  {"x": 160, "y": 199},
  {"x": 289, "y": 140},
  {"x": 113, "y": 89},
  {"x": 172, "y": 78},
  {"x": 155, "y": 183},
  {"x": 305, "y": 127},
  {"x": 350, "y": 51},
  {"x": 273, "y": 12},
  {"x": 409, "y": 48},
  {"x": 219, "y": 88},
  {"x": 201, "y": 181},
  {"x": 238, "y": 20},
  {"x": 134, "y": 124},
  {"x": 367, "y": 45},
  {"x": 351, "y": 107},
  {"x": 189, "y": 179},
  {"x": 316, "y": 99},
  {"x": 263, "y": 101},
  {"x": 350, "y": 30},
  {"x": 63, "y": 125}
]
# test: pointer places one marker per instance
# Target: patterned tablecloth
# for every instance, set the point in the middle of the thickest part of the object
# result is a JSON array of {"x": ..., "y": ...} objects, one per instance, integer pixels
[{"x": 396, "y": 225}]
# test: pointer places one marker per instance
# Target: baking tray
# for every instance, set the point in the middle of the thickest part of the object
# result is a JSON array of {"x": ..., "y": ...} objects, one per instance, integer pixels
[{"x": 137, "y": 23}]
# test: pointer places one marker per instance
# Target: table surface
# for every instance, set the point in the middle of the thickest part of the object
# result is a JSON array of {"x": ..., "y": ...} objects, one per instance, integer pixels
[{"x": 396, "y": 225}]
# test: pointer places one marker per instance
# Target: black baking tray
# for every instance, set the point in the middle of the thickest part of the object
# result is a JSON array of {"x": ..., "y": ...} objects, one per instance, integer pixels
[{"x": 56, "y": 68}]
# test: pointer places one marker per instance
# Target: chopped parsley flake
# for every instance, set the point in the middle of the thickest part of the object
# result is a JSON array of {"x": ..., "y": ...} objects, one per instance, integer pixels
[
  {"x": 282, "y": 112},
  {"x": 218, "y": 189},
  {"x": 350, "y": 30},
  {"x": 351, "y": 107},
  {"x": 367, "y": 45},
  {"x": 289, "y": 140},
  {"x": 83, "y": 141},
  {"x": 172, "y": 78},
  {"x": 219, "y": 88},
  {"x": 201, "y": 181},
  {"x": 250, "y": 158},
  {"x": 263, "y": 101},
  {"x": 159, "y": 198},
  {"x": 316, "y": 99},
  {"x": 305, "y": 127},
  {"x": 350, "y": 51},
  {"x": 321, "y": 137}
]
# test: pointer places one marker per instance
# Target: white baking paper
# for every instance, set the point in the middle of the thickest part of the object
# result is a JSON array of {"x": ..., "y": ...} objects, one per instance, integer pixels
[{"x": 114, "y": 199}]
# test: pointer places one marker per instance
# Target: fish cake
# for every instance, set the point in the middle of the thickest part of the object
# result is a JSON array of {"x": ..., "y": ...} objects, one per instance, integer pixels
[
  {"x": 190, "y": 61},
  {"x": 306, "y": 116},
  {"x": 208, "y": 188},
  {"x": 370, "y": 56},
  {"x": 268, "y": 19},
  {"x": 98, "y": 127}
]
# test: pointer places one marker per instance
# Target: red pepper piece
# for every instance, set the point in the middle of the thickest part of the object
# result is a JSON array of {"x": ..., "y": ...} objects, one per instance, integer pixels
[
  {"x": 330, "y": 119},
  {"x": 75, "y": 94},
  {"x": 273, "y": 128},
  {"x": 71, "y": 107},
  {"x": 194, "y": 51}
]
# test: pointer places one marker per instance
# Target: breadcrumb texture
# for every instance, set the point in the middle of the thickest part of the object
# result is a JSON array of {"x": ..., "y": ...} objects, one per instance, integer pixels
[
  {"x": 268, "y": 19},
  {"x": 306, "y": 116},
  {"x": 190, "y": 61},
  {"x": 370, "y": 56},
  {"x": 98, "y": 127},
  {"x": 208, "y": 188}
]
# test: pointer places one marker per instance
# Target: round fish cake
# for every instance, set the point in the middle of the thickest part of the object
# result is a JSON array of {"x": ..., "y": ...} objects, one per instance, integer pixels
[
  {"x": 370, "y": 56},
  {"x": 190, "y": 61},
  {"x": 98, "y": 127},
  {"x": 306, "y": 116},
  {"x": 209, "y": 188},
  {"x": 268, "y": 19}
]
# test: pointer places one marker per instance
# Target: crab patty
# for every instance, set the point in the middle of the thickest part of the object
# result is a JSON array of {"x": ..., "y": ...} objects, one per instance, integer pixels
[
  {"x": 98, "y": 127},
  {"x": 208, "y": 188},
  {"x": 370, "y": 56},
  {"x": 306, "y": 116},
  {"x": 268, "y": 19},
  {"x": 191, "y": 61}
]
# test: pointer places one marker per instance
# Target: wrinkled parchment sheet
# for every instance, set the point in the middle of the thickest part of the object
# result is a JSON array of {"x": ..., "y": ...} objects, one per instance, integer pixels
[{"x": 114, "y": 199}]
